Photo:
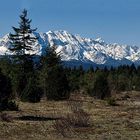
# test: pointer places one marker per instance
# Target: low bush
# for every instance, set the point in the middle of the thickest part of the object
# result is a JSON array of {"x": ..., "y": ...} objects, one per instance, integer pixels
[
  {"x": 78, "y": 118},
  {"x": 8, "y": 105},
  {"x": 111, "y": 102},
  {"x": 5, "y": 117}
]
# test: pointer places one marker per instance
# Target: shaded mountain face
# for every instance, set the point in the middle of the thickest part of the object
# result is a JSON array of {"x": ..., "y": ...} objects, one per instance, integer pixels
[{"x": 74, "y": 48}]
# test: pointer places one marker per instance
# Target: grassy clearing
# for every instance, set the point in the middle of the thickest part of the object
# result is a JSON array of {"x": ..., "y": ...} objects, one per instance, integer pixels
[{"x": 47, "y": 120}]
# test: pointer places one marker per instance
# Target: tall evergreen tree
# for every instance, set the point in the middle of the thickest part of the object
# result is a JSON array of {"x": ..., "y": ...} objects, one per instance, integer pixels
[
  {"x": 53, "y": 78},
  {"x": 101, "y": 88},
  {"x": 6, "y": 96},
  {"x": 21, "y": 47},
  {"x": 22, "y": 41}
]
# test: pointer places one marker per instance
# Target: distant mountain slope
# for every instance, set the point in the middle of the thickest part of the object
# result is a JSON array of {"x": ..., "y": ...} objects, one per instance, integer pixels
[{"x": 74, "y": 48}]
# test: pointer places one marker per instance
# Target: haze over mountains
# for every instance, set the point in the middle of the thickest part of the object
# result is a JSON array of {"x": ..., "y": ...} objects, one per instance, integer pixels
[{"x": 76, "y": 50}]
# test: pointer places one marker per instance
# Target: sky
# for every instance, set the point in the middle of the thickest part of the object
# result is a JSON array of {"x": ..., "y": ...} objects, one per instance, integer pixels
[{"x": 116, "y": 21}]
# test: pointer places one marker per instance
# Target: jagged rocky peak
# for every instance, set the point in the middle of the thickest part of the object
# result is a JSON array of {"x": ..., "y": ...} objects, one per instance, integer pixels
[{"x": 74, "y": 47}]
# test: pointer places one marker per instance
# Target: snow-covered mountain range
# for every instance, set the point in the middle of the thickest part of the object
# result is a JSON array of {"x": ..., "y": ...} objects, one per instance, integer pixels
[{"x": 79, "y": 50}]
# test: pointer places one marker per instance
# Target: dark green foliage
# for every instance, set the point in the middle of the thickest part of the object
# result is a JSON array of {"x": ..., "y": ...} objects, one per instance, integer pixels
[
  {"x": 101, "y": 88},
  {"x": 6, "y": 102},
  {"x": 5, "y": 65},
  {"x": 22, "y": 62},
  {"x": 8, "y": 105},
  {"x": 91, "y": 69},
  {"x": 22, "y": 41},
  {"x": 5, "y": 87},
  {"x": 111, "y": 102},
  {"x": 50, "y": 58},
  {"x": 123, "y": 78},
  {"x": 74, "y": 80},
  {"x": 136, "y": 82},
  {"x": 80, "y": 70},
  {"x": 122, "y": 85},
  {"x": 113, "y": 81},
  {"x": 57, "y": 87},
  {"x": 7, "y": 69},
  {"x": 53, "y": 78},
  {"x": 32, "y": 92},
  {"x": 89, "y": 80}
]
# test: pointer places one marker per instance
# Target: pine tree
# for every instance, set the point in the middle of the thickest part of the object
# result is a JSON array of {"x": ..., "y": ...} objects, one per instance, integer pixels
[
  {"x": 101, "y": 88},
  {"x": 22, "y": 41},
  {"x": 6, "y": 102},
  {"x": 21, "y": 46},
  {"x": 32, "y": 92},
  {"x": 5, "y": 87},
  {"x": 53, "y": 78}
]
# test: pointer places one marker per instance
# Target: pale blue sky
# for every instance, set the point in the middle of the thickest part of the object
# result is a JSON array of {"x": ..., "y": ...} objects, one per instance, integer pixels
[{"x": 113, "y": 20}]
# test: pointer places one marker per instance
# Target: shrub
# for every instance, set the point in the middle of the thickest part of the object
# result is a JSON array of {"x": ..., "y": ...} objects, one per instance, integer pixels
[
  {"x": 6, "y": 102},
  {"x": 111, "y": 102},
  {"x": 5, "y": 117},
  {"x": 78, "y": 117},
  {"x": 57, "y": 87},
  {"x": 31, "y": 93},
  {"x": 8, "y": 105},
  {"x": 101, "y": 88}
]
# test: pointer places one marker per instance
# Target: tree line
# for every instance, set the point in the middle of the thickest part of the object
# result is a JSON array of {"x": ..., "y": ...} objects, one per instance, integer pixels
[{"x": 28, "y": 77}]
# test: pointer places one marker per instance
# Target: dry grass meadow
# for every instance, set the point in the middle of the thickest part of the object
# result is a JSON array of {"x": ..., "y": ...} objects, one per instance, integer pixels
[{"x": 80, "y": 118}]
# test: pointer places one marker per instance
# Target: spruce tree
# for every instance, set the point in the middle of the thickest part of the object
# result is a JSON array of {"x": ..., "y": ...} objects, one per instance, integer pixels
[
  {"x": 101, "y": 88},
  {"x": 6, "y": 96},
  {"x": 53, "y": 78},
  {"x": 21, "y": 41},
  {"x": 21, "y": 46}
]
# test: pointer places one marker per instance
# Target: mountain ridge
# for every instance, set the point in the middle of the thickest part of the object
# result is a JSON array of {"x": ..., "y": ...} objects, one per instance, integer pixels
[{"x": 77, "y": 48}]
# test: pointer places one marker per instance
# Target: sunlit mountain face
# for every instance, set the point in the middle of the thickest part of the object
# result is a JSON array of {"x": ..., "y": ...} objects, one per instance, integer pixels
[{"x": 79, "y": 50}]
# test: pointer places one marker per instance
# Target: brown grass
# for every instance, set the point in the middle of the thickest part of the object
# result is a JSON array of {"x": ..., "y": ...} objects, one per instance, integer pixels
[
  {"x": 50, "y": 120},
  {"x": 78, "y": 117}
]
